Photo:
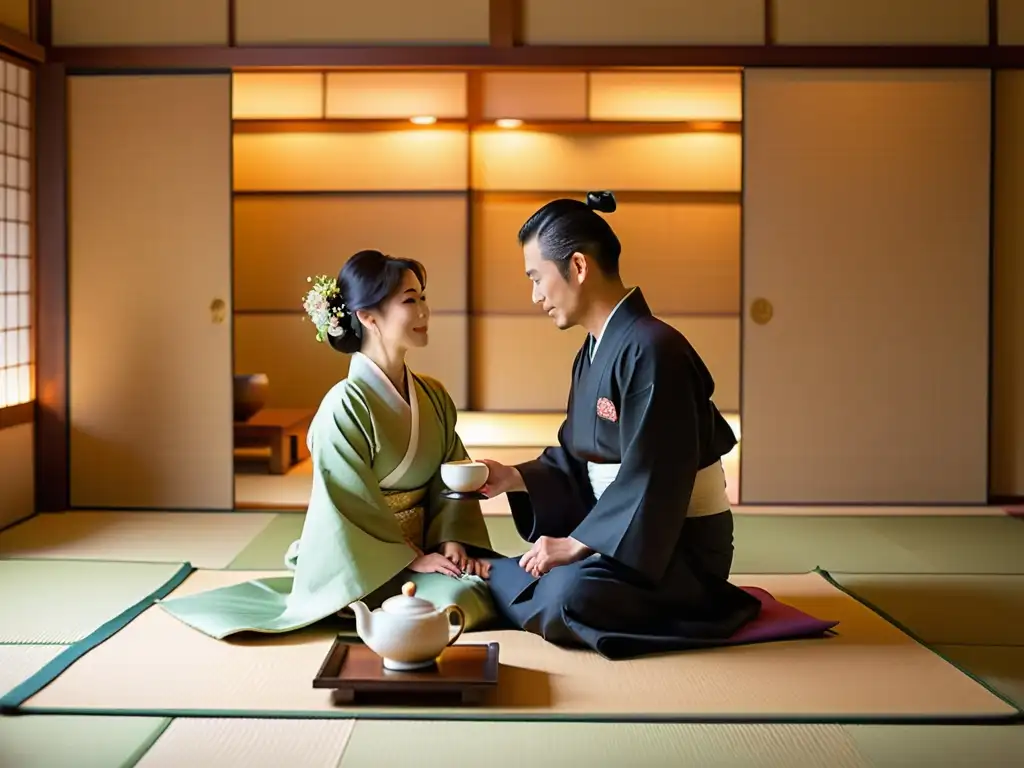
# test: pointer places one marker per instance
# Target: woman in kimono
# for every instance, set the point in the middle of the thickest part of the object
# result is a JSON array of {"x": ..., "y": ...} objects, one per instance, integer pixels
[{"x": 376, "y": 516}]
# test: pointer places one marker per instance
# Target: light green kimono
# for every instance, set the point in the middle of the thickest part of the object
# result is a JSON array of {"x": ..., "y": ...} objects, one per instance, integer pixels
[{"x": 376, "y": 483}]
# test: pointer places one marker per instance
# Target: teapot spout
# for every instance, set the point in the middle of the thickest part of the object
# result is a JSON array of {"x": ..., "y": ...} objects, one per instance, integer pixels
[{"x": 364, "y": 620}]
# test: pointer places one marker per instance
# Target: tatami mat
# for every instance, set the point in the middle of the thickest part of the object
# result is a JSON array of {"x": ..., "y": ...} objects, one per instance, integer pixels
[
  {"x": 870, "y": 672},
  {"x": 62, "y": 601},
  {"x": 243, "y": 743},
  {"x": 1001, "y": 667},
  {"x": 785, "y": 544},
  {"x": 76, "y": 742},
  {"x": 863, "y": 544},
  {"x": 266, "y": 551},
  {"x": 946, "y": 746},
  {"x": 959, "y": 544},
  {"x": 205, "y": 539},
  {"x": 20, "y": 662},
  {"x": 598, "y": 745},
  {"x": 948, "y": 608}
]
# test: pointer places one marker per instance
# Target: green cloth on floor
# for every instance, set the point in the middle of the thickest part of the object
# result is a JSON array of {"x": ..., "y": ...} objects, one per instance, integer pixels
[
  {"x": 262, "y": 603},
  {"x": 59, "y": 741},
  {"x": 62, "y": 601},
  {"x": 947, "y": 609}
]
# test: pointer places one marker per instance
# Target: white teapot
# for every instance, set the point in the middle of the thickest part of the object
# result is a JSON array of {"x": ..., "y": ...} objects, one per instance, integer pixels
[{"x": 407, "y": 632}]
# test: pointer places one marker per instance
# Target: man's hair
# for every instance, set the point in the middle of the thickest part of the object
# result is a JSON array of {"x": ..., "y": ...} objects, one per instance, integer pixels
[{"x": 564, "y": 227}]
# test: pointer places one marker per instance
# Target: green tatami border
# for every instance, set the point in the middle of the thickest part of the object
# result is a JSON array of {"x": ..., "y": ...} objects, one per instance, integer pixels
[
  {"x": 1018, "y": 717},
  {"x": 10, "y": 702},
  {"x": 485, "y": 715}
]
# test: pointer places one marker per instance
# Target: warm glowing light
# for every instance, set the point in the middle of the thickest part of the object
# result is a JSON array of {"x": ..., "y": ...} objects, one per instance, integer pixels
[
  {"x": 424, "y": 120},
  {"x": 707, "y": 125},
  {"x": 508, "y": 122}
]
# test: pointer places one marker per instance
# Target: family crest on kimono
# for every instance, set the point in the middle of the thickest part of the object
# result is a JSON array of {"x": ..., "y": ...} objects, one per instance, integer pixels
[
  {"x": 376, "y": 516},
  {"x": 628, "y": 516}
]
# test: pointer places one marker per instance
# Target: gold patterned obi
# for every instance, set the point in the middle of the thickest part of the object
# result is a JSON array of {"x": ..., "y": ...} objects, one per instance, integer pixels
[{"x": 408, "y": 509}]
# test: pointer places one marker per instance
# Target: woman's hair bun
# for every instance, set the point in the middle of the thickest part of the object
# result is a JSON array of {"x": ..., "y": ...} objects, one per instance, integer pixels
[{"x": 601, "y": 201}]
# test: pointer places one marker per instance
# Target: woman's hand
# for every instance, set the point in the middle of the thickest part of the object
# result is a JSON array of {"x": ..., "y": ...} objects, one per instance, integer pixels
[
  {"x": 501, "y": 479},
  {"x": 455, "y": 552},
  {"x": 435, "y": 563}
]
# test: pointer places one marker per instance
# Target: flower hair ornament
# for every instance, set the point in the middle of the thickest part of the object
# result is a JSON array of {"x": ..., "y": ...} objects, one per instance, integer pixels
[{"x": 329, "y": 320}]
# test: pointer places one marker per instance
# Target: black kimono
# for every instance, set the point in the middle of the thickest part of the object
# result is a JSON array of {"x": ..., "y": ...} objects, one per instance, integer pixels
[{"x": 657, "y": 581}]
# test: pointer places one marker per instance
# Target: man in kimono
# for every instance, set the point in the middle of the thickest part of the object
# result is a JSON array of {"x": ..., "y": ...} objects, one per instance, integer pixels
[{"x": 628, "y": 515}]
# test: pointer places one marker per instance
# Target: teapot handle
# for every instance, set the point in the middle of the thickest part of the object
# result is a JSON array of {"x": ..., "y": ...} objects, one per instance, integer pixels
[{"x": 461, "y": 625}]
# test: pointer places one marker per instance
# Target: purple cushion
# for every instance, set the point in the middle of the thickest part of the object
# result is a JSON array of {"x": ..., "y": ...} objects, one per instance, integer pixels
[{"x": 778, "y": 621}]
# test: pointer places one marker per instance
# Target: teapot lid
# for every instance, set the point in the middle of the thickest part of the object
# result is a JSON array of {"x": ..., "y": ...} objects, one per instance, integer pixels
[{"x": 406, "y": 604}]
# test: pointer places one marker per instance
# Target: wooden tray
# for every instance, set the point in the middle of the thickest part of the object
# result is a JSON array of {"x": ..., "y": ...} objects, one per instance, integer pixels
[{"x": 463, "y": 674}]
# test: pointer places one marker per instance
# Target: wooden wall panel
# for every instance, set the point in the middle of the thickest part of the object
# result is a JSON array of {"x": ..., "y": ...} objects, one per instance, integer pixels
[
  {"x": 881, "y": 22},
  {"x": 17, "y": 491},
  {"x": 428, "y": 159},
  {"x": 140, "y": 22},
  {"x": 684, "y": 255},
  {"x": 534, "y": 161},
  {"x": 643, "y": 22},
  {"x": 149, "y": 253},
  {"x": 17, "y": 14},
  {"x": 383, "y": 95},
  {"x": 535, "y": 95},
  {"x": 282, "y": 239},
  {"x": 717, "y": 341},
  {"x": 355, "y": 22},
  {"x": 1011, "y": 22},
  {"x": 277, "y": 95},
  {"x": 1008, "y": 296},
  {"x": 534, "y": 344},
  {"x": 502, "y": 344},
  {"x": 866, "y": 225},
  {"x": 638, "y": 95},
  {"x": 301, "y": 370}
]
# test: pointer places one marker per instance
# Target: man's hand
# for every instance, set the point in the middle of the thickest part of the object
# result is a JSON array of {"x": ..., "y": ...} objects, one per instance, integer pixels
[
  {"x": 548, "y": 553},
  {"x": 501, "y": 479}
]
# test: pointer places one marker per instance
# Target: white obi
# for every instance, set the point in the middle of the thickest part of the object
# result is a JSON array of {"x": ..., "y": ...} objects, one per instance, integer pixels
[{"x": 709, "y": 495}]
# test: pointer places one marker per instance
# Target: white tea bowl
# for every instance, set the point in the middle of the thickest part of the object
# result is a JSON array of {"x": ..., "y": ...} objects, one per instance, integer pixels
[{"x": 464, "y": 476}]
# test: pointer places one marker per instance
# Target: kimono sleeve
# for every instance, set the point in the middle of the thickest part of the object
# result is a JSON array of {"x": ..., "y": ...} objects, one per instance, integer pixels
[
  {"x": 558, "y": 492},
  {"x": 639, "y": 518},
  {"x": 450, "y": 519},
  {"x": 351, "y": 542}
]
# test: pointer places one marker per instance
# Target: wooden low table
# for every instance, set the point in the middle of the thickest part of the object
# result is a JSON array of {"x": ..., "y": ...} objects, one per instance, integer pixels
[{"x": 282, "y": 430}]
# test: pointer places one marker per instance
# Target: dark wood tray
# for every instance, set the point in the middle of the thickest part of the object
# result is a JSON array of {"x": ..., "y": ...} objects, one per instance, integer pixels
[{"x": 463, "y": 674}]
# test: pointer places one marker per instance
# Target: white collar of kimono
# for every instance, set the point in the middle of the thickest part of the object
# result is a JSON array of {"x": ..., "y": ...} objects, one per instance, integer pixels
[
  {"x": 361, "y": 364},
  {"x": 594, "y": 342}
]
